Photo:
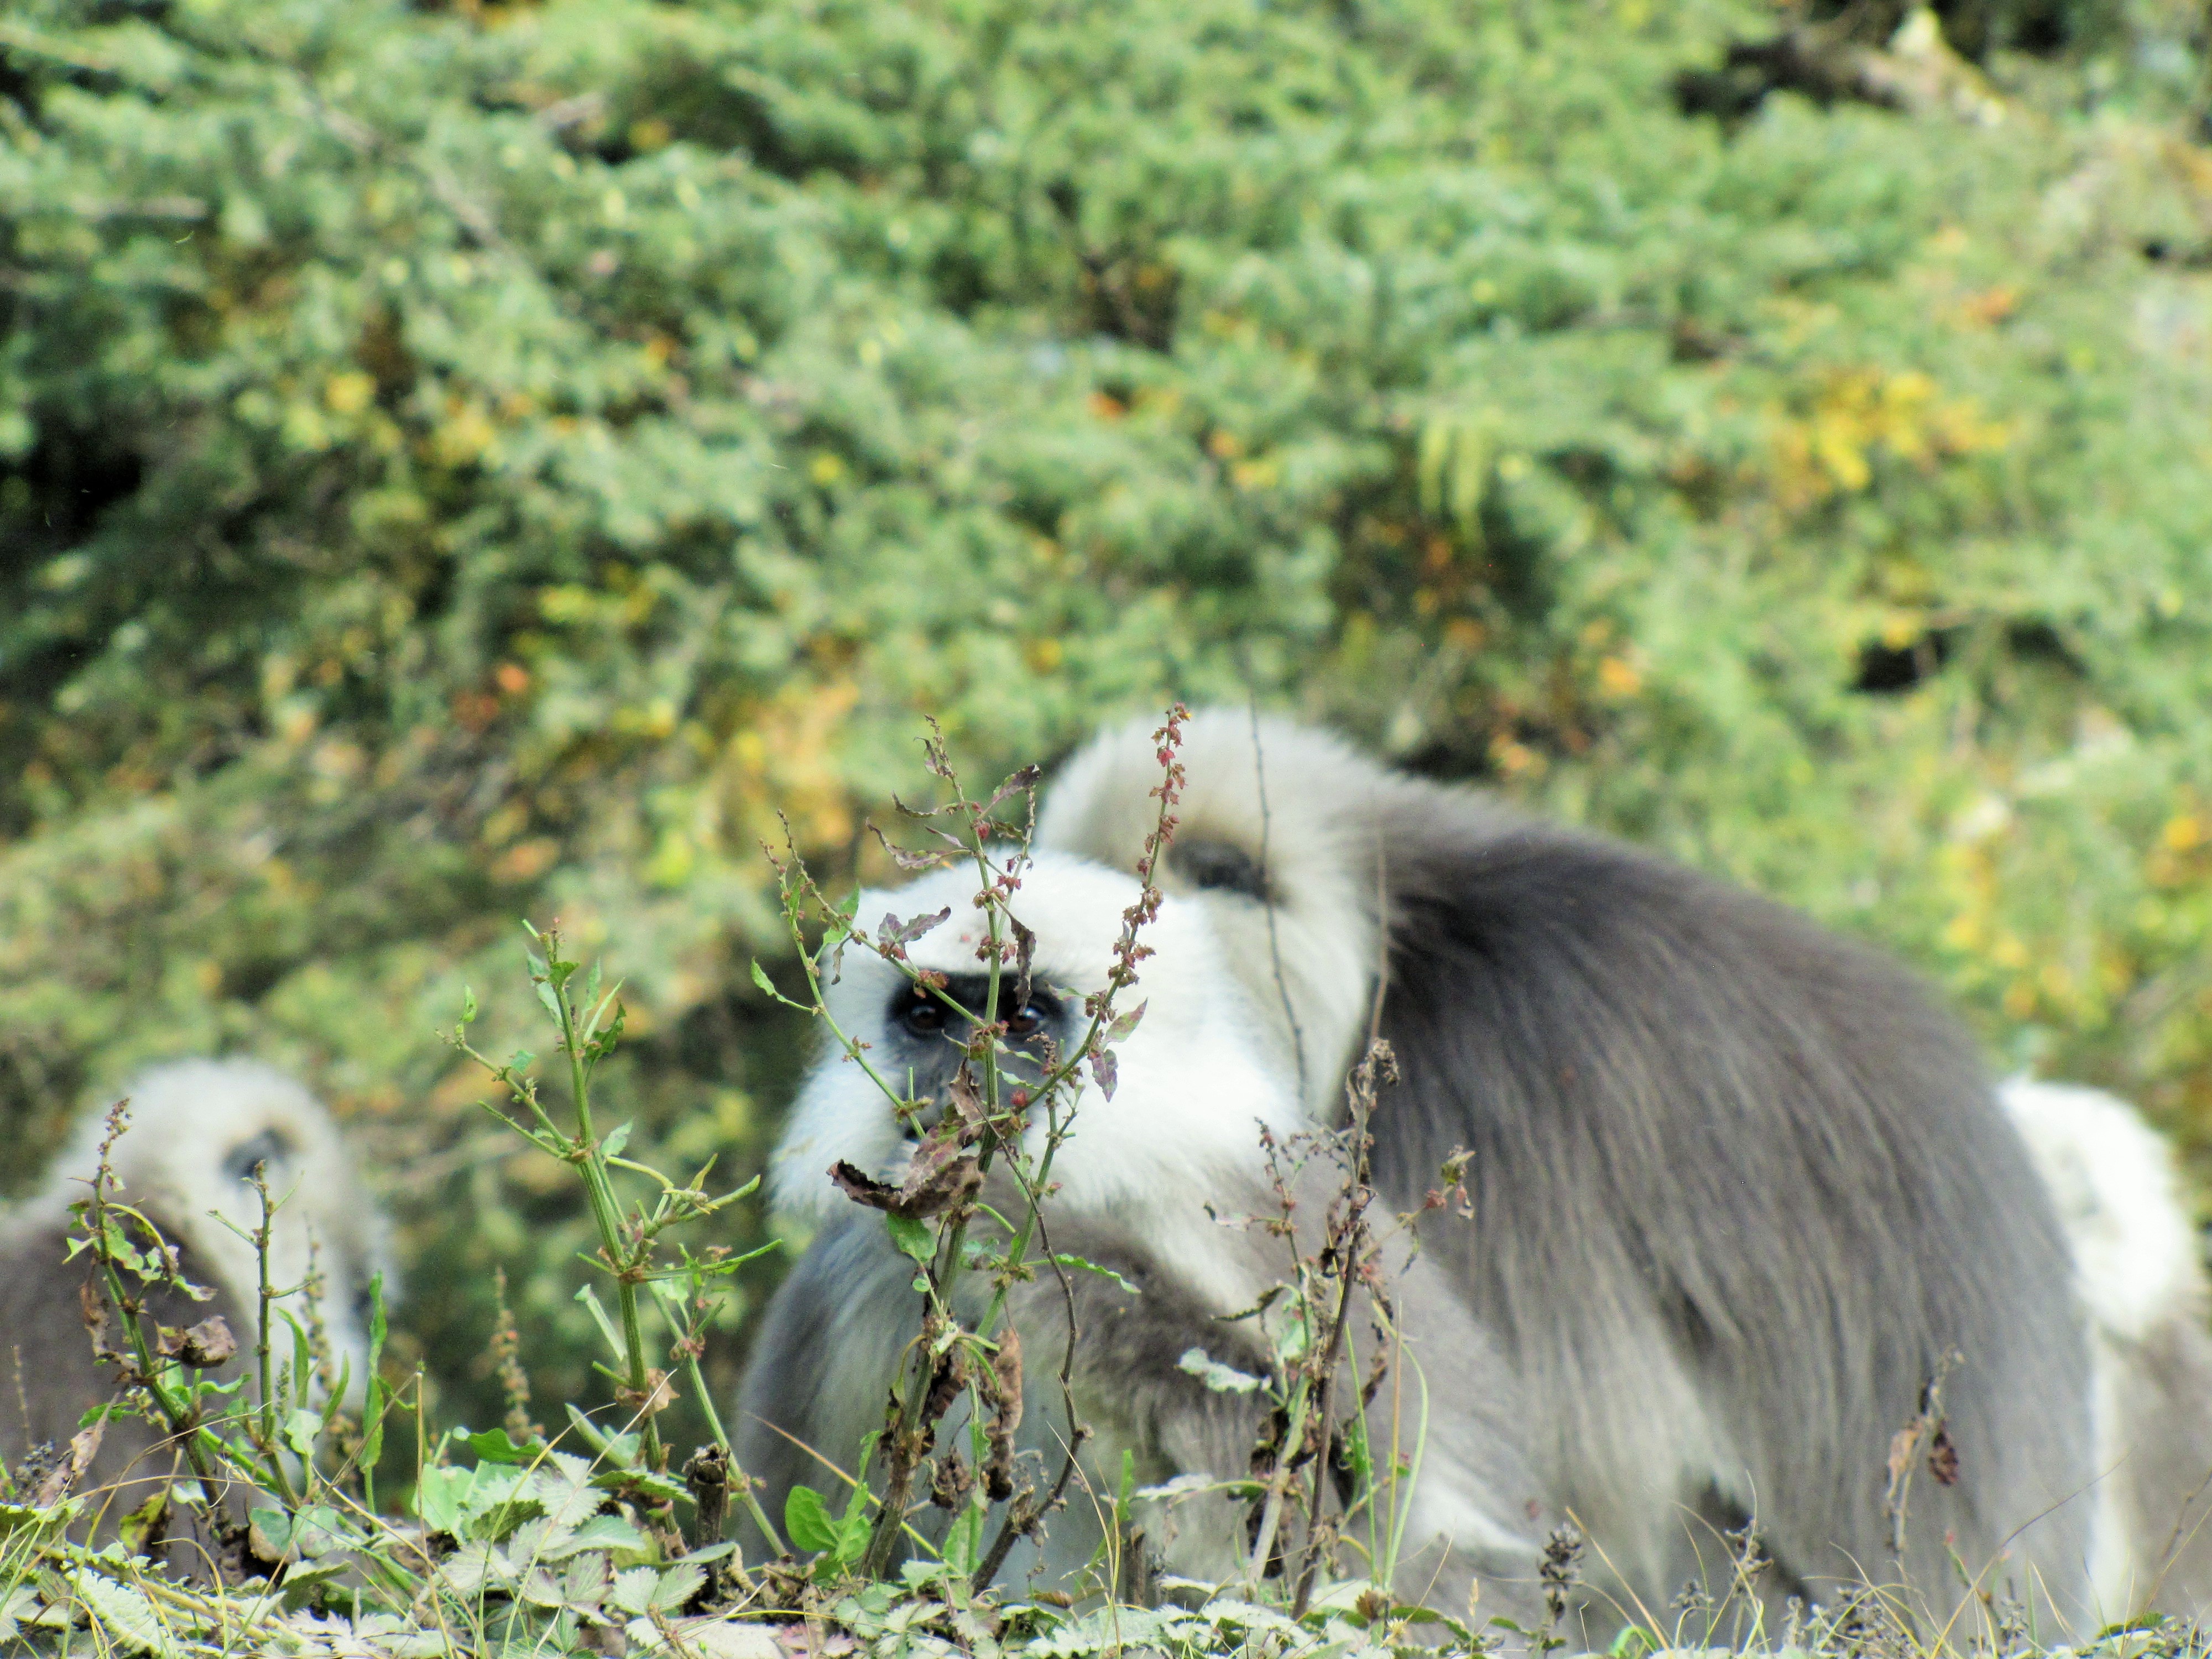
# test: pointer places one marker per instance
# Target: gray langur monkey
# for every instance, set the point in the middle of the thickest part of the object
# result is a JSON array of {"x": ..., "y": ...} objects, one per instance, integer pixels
[
  {"x": 197, "y": 1128},
  {"x": 1135, "y": 1177},
  {"x": 1744, "y": 1203},
  {"x": 2140, "y": 1276}
]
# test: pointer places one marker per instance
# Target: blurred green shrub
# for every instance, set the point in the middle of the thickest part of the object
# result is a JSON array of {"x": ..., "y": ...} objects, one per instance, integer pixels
[{"x": 459, "y": 464}]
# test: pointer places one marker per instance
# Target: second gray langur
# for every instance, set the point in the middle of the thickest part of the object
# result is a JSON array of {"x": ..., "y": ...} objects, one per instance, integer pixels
[
  {"x": 1135, "y": 1179},
  {"x": 198, "y": 1129},
  {"x": 2141, "y": 1283},
  {"x": 1742, "y": 1195}
]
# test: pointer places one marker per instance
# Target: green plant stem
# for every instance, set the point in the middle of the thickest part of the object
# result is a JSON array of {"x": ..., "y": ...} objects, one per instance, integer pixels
[
  {"x": 606, "y": 1213},
  {"x": 738, "y": 1481},
  {"x": 271, "y": 1442}
]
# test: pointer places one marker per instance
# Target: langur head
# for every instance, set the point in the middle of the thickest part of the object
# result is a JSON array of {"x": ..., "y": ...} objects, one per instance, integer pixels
[
  {"x": 198, "y": 1129},
  {"x": 1277, "y": 840},
  {"x": 1192, "y": 1087}
]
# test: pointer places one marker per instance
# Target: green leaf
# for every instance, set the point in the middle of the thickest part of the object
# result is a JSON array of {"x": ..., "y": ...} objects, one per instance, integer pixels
[
  {"x": 24, "y": 1518},
  {"x": 585, "y": 1295},
  {"x": 590, "y": 1433},
  {"x": 493, "y": 1446},
  {"x": 913, "y": 1238},
  {"x": 302, "y": 1581},
  {"x": 601, "y": 1532},
  {"x": 1222, "y": 1379},
  {"x": 302, "y": 1430},
  {"x": 1360, "y": 1454},
  {"x": 617, "y": 1140},
  {"x": 761, "y": 980},
  {"x": 273, "y": 1532},
  {"x": 303, "y": 1357},
  {"x": 677, "y": 1585},
  {"x": 1078, "y": 1262},
  {"x": 806, "y": 1521},
  {"x": 372, "y": 1445},
  {"x": 123, "y": 1613},
  {"x": 964, "y": 1542},
  {"x": 853, "y": 1526},
  {"x": 641, "y": 1483},
  {"x": 438, "y": 1494},
  {"x": 633, "y": 1590},
  {"x": 142, "y": 1523}
]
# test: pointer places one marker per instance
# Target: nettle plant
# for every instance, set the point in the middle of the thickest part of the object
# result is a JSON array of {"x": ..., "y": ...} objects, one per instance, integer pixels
[
  {"x": 678, "y": 1291},
  {"x": 931, "y": 1213},
  {"x": 289, "y": 1440}
]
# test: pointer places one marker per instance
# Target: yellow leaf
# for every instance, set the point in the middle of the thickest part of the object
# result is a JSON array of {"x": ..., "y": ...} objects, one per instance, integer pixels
[
  {"x": 348, "y": 393},
  {"x": 1618, "y": 677}
]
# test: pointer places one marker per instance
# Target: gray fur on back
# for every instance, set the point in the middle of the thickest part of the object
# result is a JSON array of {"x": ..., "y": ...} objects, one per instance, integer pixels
[{"x": 1739, "y": 1187}]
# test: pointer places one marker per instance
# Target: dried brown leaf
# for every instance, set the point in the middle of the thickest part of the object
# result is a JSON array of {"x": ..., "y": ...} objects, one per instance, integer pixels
[
  {"x": 1005, "y": 1389},
  {"x": 1900, "y": 1451},
  {"x": 94, "y": 1308},
  {"x": 942, "y": 1174},
  {"x": 1943, "y": 1458},
  {"x": 84, "y": 1446},
  {"x": 657, "y": 1396},
  {"x": 208, "y": 1343}
]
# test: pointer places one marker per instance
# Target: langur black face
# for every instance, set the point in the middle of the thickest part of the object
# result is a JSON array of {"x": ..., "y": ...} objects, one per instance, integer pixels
[{"x": 926, "y": 1033}]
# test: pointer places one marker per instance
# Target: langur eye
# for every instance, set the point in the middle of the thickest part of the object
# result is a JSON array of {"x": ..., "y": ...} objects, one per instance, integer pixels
[
  {"x": 919, "y": 1014},
  {"x": 270, "y": 1149},
  {"x": 1032, "y": 1016}
]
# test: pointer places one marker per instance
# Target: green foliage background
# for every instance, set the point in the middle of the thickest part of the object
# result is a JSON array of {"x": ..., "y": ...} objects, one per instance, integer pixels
[{"x": 456, "y": 466}]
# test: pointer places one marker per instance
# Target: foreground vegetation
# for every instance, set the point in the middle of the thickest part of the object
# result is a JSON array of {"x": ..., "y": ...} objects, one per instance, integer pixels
[
  {"x": 590, "y": 1539},
  {"x": 459, "y": 463}
]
